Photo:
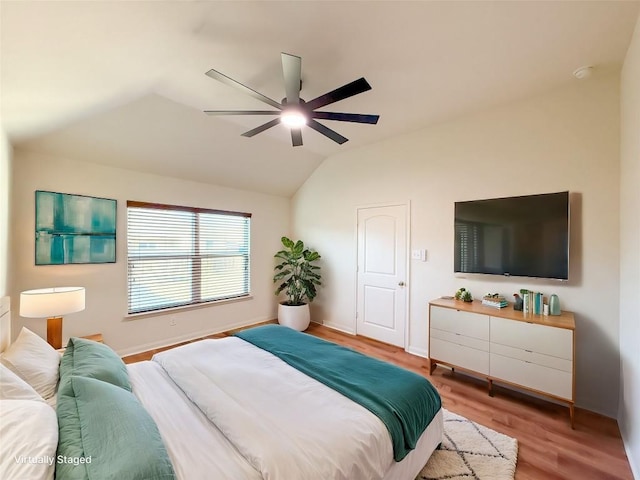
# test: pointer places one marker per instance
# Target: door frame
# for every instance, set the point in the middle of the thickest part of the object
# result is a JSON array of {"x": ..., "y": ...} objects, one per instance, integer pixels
[{"x": 407, "y": 205}]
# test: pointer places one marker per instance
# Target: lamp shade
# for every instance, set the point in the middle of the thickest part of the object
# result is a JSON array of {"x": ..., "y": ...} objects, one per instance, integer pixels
[{"x": 51, "y": 302}]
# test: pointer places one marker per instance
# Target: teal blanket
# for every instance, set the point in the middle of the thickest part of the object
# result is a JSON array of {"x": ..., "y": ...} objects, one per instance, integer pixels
[{"x": 404, "y": 401}]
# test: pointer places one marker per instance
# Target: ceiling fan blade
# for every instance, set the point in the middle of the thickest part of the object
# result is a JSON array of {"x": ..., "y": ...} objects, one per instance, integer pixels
[
  {"x": 261, "y": 128},
  {"x": 232, "y": 83},
  {"x": 346, "y": 117},
  {"x": 242, "y": 112},
  {"x": 327, "y": 132},
  {"x": 346, "y": 91},
  {"x": 292, "y": 72},
  {"x": 296, "y": 137}
]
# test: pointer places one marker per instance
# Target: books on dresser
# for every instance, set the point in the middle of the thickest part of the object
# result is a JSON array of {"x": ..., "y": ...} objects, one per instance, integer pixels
[{"x": 494, "y": 300}]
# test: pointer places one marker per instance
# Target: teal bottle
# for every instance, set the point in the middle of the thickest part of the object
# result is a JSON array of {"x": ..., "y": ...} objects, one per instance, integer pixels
[{"x": 554, "y": 305}]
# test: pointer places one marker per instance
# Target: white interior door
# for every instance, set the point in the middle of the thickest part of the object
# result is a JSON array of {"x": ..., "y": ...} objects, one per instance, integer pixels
[{"x": 382, "y": 271}]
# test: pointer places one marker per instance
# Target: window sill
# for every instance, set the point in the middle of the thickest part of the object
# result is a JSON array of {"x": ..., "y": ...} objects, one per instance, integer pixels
[{"x": 165, "y": 311}]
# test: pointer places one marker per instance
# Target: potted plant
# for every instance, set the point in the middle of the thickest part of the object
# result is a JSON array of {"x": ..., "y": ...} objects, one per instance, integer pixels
[
  {"x": 464, "y": 295},
  {"x": 298, "y": 278}
]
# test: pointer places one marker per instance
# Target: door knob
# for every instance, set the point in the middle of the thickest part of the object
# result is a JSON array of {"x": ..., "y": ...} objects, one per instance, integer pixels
[{"x": 401, "y": 284}]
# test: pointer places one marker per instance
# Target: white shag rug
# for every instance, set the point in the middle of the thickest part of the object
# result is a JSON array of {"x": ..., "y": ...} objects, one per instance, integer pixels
[{"x": 471, "y": 451}]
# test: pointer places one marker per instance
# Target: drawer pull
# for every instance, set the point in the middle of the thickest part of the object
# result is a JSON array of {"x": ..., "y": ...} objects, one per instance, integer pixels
[{"x": 529, "y": 351}]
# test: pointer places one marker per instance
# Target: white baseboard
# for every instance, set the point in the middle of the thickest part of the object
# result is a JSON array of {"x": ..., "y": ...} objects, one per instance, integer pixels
[
  {"x": 594, "y": 409},
  {"x": 419, "y": 352},
  {"x": 167, "y": 342},
  {"x": 339, "y": 328},
  {"x": 633, "y": 462},
  {"x": 635, "y": 468}
]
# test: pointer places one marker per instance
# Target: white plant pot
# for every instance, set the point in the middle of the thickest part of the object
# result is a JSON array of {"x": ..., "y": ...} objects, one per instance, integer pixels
[{"x": 294, "y": 316}]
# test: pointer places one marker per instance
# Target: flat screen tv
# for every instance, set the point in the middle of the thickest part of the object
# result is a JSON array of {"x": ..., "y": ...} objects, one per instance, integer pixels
[{"x": 525, "y": 236}]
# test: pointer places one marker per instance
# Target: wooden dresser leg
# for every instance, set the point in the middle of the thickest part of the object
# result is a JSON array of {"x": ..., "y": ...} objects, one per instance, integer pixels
[
  {"x": 490, "y": 386},
  {"x": 571, "y": 415},
  {"x": 432, "y": 366}
]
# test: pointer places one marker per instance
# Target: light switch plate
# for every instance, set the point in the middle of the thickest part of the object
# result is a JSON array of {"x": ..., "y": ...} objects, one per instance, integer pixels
[{"x": 419, "y": 254}]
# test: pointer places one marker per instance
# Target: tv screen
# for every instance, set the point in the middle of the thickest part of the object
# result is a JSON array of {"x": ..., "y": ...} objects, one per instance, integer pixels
[{"x": 525, "y": 236}]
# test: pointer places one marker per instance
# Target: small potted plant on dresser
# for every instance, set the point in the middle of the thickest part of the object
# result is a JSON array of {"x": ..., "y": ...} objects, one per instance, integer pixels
[
  {"x": 298, "y": 278},
  {"x": 464, "y": 295}
]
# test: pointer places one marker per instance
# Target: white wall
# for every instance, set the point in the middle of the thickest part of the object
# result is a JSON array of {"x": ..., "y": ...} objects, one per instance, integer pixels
[
  {"x": 5, "y": 195},
  {"x": 629, "y": 415},
  {"x": 564, "y": 140},
  {"x": 106, "y": 284}
]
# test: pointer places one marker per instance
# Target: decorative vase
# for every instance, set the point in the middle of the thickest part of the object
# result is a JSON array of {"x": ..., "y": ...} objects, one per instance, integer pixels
[
  {"x": 554, "y": 305},
  {"x": 294, "y": 316}
]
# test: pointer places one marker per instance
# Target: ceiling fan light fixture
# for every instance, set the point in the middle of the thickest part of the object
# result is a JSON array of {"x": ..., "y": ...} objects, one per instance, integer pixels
[
  {"x": 293, "y": 111},
  {"x": 293, "y": 119}
]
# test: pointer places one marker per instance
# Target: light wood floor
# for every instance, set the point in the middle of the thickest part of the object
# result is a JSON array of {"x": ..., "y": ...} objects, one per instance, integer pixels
[{"x": 548, "y": 448}]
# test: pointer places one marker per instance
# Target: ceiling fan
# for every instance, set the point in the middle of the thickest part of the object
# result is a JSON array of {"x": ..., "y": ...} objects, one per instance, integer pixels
[{"x": 293, "y": 111}]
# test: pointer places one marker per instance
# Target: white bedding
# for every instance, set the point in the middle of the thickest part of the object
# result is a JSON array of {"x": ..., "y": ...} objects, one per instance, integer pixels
[
  {"x": 198, "y": 450},
  {"x": 311, "y": 432},
  {"x": 264, "y": 419},
  {"x": 28, "y": 439}
]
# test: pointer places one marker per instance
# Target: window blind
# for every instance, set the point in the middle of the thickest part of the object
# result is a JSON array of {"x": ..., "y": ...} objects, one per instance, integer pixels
[{"x": 185, "y": 256}]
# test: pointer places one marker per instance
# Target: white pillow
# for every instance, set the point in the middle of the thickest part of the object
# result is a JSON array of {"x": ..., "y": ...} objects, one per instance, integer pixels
[
  {"x": 12, "y": 387},
  {"x": 29, "y": 430},
  {"x": 35, "y": 361}
]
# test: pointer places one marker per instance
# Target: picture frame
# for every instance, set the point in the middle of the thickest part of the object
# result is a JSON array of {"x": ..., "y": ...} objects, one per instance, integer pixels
[{"x": 74, "y": 229}]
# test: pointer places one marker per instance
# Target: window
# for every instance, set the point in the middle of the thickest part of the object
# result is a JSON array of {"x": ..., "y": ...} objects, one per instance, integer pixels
[
  {"x": 185, "y": 256},
  {"x": 468, "y": 247}
]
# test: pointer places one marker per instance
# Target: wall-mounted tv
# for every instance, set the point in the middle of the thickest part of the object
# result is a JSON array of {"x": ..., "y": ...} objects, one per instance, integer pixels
[{"x": 526, "y": 236}]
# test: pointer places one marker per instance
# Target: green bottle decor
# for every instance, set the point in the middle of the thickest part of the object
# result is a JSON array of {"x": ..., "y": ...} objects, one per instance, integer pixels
[{"x": 554, "y": 305}]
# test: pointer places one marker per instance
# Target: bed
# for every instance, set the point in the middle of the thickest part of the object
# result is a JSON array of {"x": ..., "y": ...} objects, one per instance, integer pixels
[{"x": 225, "y": 409}]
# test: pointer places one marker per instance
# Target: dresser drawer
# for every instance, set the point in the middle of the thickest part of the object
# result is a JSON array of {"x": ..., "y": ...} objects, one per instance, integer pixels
[
  {"x": 533, "y": 357},
  {"x": 456, "y": 321},
  {"x": 557, "y": 342},
  {"x": 532, "y": 376},
  {"x": 459, "y": 355},
  {"x": 460, "y": 339}
]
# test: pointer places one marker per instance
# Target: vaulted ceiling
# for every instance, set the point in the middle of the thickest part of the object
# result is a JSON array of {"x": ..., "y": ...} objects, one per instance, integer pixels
[{"x": 123, "y": 84}]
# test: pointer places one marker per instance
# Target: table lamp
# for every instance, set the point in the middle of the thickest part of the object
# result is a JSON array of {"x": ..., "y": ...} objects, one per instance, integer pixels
[{"x": 52, "y": 303}]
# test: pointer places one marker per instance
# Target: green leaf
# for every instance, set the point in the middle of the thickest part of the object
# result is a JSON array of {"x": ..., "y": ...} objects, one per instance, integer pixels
[
  {"x": 287, "y": 242},
  {"x": 281, "y": 275},
  {"x": 311, "y": 256}
]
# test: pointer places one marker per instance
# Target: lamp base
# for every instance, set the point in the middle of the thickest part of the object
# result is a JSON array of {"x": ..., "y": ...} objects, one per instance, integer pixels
[{"x": 54, "y": 332}]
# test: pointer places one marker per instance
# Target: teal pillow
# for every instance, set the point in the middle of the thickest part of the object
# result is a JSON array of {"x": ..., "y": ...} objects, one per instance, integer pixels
[
  {"x": 108, "y": 429},
  {"x": 69, "y": 439},
  {"x": 86, "y": 358}
]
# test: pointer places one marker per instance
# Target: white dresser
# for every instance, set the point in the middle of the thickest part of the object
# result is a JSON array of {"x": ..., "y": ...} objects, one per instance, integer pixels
[{"x": 531, "y": 352}]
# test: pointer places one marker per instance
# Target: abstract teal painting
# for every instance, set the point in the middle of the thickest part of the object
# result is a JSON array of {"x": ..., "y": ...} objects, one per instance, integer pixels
[{"x": 74, "y": 229}]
